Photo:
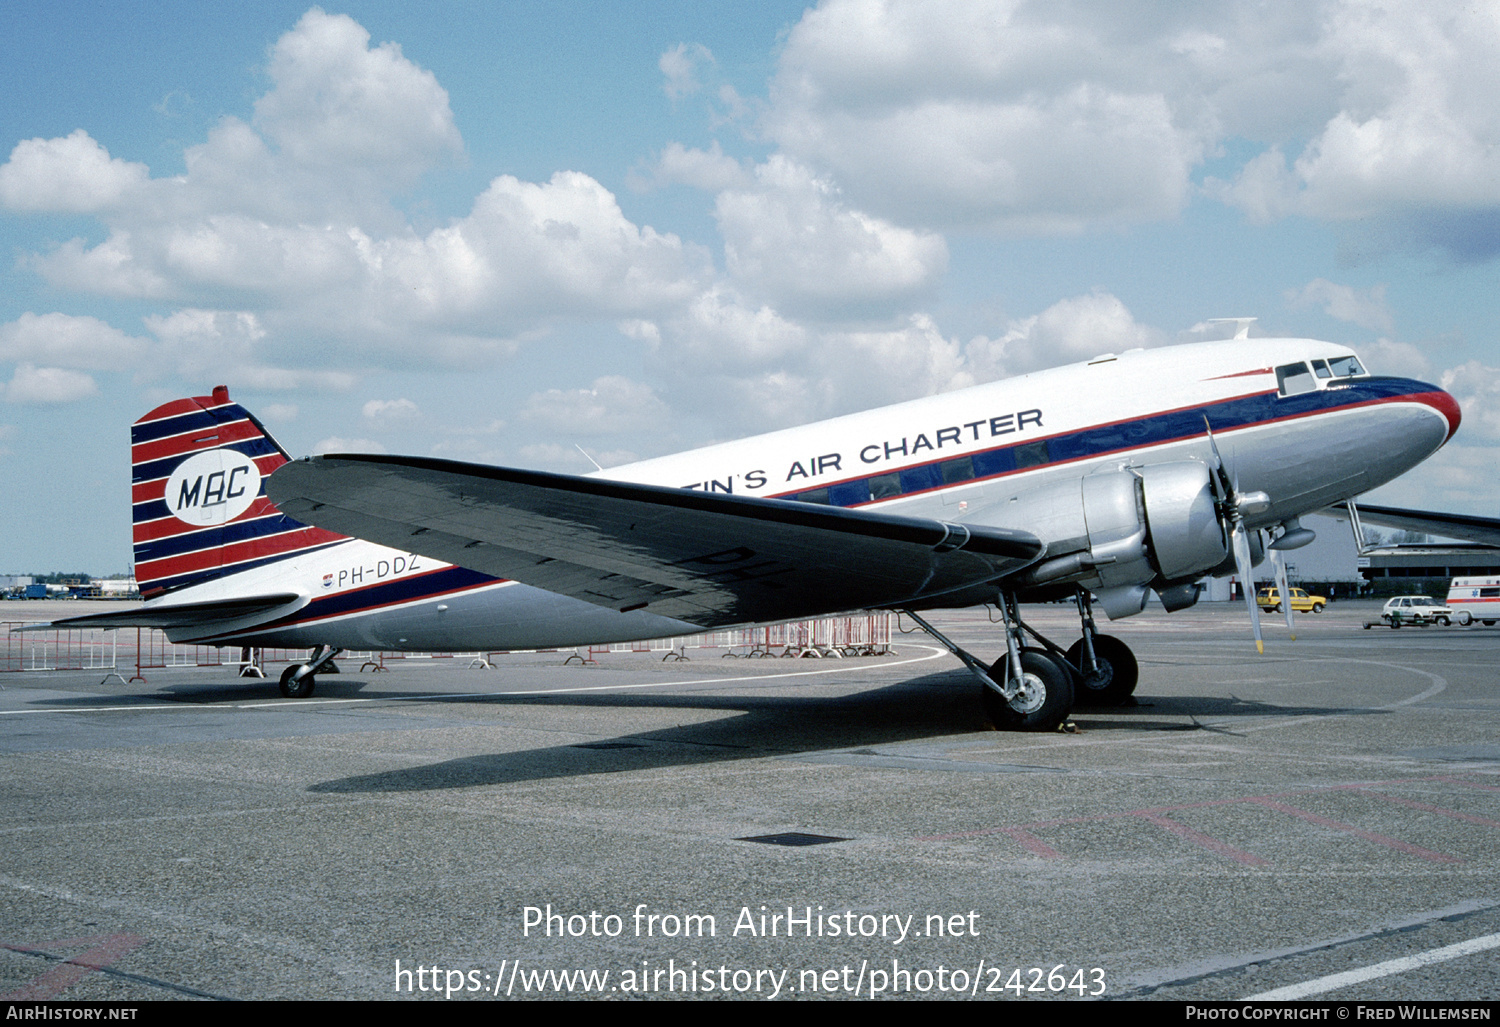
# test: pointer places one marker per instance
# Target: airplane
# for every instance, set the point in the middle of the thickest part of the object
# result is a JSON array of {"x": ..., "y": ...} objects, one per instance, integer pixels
[{"x": 1102, "y": 482}]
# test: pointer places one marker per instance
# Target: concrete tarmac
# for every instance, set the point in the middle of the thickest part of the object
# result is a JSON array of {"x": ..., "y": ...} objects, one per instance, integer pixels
[{"x": 1253, "y": 824}]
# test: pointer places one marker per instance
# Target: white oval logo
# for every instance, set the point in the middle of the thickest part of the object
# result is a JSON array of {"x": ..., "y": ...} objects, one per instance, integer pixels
[{"x": 212, "y": 488}]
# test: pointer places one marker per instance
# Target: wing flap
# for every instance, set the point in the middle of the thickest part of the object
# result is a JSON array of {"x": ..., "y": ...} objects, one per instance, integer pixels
[{"x": 710, "y": 559}]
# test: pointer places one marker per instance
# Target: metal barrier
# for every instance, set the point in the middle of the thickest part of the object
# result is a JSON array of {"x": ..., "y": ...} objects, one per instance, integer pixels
[
  {"x": 862, "y": 634},
  {"x": 59, "y": 650}
]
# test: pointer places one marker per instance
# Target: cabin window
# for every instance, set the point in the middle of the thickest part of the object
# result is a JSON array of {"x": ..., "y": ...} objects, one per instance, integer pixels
[
  {"x": 1295, "y": 379},
  {"x": 1032, "y": 454},
  {"x": 814, "y": 496},
  {"x": 883, "y": 486},
  {"x": 961, "y": 469},
  {"x": 850, "y": 493},
  {"x": 1345, "y": 367}
]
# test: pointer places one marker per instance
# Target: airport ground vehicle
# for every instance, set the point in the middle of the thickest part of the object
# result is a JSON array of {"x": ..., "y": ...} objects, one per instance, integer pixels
[
  {"x": 1475, "y": 598},
  {"x": 1417, "y": 610},
  {"x": 1270, "y": 599}
]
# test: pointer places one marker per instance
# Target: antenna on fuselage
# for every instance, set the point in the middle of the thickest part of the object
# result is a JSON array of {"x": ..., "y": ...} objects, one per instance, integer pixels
[
  {"x": 1242, "y": 332},
  {"x": 586, "y": 456}
]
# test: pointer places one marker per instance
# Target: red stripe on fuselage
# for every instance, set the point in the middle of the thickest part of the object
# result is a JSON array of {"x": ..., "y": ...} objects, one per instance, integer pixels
[
  {"x": 1443, "y": 404},
  {"x": 1242, "y": 374}
]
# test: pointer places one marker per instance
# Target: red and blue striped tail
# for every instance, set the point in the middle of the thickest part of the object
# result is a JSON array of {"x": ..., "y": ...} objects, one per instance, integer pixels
[{"x": 198, "y": 495}]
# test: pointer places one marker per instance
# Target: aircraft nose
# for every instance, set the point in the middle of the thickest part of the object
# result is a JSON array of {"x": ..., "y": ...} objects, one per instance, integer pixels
[{"x": 1445, "y": 404}]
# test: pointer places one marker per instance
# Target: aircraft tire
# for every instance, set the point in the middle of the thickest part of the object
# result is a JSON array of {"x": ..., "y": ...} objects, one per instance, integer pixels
[
  {"x": 1046, "y": 702},
  {"x": 1117, "y": 678},
  {"x": 296, "y": 689}
]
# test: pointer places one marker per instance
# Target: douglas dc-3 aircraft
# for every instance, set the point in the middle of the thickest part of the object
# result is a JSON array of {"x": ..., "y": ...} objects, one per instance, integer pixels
[{"x": 1104, "y": 480}]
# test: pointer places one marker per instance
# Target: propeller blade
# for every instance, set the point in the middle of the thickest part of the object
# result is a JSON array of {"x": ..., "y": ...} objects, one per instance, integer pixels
[
  {"x": 1228, "y": 494},
  {"x": 1284, "y": 593},
  {"x": 1242, "y": 563}
]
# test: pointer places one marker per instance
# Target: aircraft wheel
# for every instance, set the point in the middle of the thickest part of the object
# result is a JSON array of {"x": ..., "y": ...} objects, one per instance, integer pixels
[
  {"x": 1046, "y": 696},
  {"x": 296, "y": 689},
  {"x": 1116, "y": 678}
]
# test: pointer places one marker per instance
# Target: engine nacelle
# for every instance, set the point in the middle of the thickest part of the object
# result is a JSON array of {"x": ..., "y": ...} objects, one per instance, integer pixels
[
  {"x": 1187, "y": 537},
  {"x": 1115, "y": 531}
]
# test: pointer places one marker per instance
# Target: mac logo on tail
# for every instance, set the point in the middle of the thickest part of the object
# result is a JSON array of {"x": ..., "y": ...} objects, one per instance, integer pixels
[{"x": 212, "y": 488}]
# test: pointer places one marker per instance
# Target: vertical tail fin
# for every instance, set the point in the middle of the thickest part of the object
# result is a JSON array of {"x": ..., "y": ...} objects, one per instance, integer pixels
[{"x": 198, "y": 495}]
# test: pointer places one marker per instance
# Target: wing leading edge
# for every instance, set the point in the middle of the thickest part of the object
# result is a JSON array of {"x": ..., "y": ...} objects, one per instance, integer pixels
[{"x": 707, "y": 558}]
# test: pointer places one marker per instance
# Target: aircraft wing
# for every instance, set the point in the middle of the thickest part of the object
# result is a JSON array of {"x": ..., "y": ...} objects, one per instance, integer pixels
[
  {"x": 707, "y": 558},
  {"x": 157, "y": 614},
  {"x": 1484, "y": 530}
]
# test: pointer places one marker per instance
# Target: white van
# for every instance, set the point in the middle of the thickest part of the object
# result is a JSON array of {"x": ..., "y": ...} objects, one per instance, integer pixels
[{"x": 1474, "y": 599}]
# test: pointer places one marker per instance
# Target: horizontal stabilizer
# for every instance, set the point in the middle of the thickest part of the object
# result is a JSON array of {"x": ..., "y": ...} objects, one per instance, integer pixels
[
  {"x": 181, "y": 615},
  {"x": 707, "y": 558}
]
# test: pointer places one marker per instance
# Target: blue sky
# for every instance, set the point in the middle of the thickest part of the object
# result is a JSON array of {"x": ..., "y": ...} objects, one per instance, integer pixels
[{"x": 504, "y": 231}]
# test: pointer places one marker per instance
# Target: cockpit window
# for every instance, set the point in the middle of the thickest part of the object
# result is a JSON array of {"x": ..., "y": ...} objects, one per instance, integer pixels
[
  {"x": 1295, "y": 379},
  {"x": 1320, "y": 368},
  {"x": 1345, "y": 367}
]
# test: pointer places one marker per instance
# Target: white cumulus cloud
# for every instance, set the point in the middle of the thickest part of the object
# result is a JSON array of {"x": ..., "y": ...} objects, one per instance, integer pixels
[
  {"x": 32, "y": 384},
  {"x": 62, "y": 340},
  {"x": 73, "y": 174},
  {"x": 795, "y": 242}
]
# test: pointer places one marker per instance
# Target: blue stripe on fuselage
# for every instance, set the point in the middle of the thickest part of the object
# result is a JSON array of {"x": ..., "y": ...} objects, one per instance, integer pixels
[{"x": 1136, "y": 433}]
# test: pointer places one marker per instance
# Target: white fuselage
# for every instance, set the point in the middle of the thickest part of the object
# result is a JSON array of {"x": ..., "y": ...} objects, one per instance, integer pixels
[{"x": 1306, "y": 440}]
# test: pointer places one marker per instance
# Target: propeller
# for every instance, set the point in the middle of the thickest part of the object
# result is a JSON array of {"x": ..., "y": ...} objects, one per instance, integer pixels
[
  {"x": 1233, "y": 505},
  {"x": 1279, "y": 562}
]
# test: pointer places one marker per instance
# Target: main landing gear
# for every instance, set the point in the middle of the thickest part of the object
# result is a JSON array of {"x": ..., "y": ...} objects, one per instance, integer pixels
[
  {"x": 1033, "y": 688},
  {"x": 298, "y": 681}
]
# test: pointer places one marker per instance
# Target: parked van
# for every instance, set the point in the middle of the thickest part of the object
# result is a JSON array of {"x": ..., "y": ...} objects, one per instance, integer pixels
[{"x": 1474, "y": 599}]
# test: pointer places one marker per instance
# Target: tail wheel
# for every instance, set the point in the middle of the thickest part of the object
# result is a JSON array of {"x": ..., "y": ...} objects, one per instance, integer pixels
[
  {"x": 1116, "y": 678},
  {"x": 294, "y": 689},
  {"x": 1045, "y": 699}
]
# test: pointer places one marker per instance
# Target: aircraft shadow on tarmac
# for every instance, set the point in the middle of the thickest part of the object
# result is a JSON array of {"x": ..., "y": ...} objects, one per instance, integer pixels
[{"x": 933, "y": 706}]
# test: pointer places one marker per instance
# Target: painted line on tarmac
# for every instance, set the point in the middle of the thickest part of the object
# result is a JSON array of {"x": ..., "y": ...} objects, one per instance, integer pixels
[
  {"x": 1162, "y": 983},
  {"x": 1390, "y": 967},
  {"x": 933, "y": 653},
  {"x": 1439, "y": 684}
]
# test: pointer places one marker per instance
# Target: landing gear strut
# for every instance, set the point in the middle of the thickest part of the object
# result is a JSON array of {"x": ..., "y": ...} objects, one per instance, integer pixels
[
  {"x": 1026, "y": 689},
  {"x": 297, "y": 681},
  {"x": 1104, "y": 668}
]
